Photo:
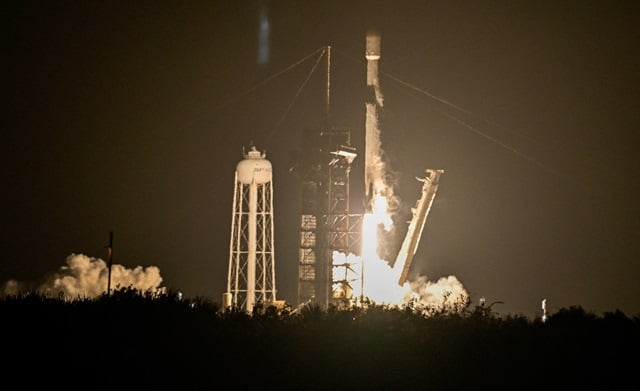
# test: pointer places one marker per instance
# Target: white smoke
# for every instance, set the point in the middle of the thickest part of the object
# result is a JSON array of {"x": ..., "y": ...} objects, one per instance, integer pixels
[
  {"x": 447, "y": 294},
  {"x": 87, "y": 277},
  {"x": 376, "y": 280}
]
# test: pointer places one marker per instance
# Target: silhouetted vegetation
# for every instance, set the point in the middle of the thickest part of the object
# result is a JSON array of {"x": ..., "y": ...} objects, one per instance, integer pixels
[{"x": 133, "y": 339}]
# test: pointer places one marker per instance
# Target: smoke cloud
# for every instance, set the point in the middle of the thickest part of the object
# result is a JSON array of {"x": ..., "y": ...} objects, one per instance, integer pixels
[
  {"x": 87, "y": 277},
  {"x": 447, "y": 293}
]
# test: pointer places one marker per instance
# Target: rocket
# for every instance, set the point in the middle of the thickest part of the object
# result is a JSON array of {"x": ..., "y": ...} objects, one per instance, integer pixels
[{"x": 373, "y": 174}]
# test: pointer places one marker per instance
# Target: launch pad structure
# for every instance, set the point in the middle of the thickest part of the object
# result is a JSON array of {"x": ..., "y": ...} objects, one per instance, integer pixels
[
  {"x": 326, "y": 224},
  {"x": 330, "y": 266}
]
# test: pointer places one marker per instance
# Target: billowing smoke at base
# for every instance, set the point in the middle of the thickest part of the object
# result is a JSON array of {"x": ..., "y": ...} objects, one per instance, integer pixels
[
  {"x": 87, "y": 277},
  {"x": 378, "y": 284},
  {"x": 446, "y": 294}
]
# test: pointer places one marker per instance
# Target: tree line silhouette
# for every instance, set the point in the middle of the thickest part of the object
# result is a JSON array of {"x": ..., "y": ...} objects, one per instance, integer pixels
[{"x": 134, "y": 339}]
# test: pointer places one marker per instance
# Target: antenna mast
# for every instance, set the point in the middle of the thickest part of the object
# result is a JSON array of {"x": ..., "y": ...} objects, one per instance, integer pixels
[
  {"x": 110, "y": 258},
  {"x": 328, "y": 98}
]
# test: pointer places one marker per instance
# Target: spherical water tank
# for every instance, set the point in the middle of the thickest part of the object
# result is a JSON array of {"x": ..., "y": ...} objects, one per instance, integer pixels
[{"x": 254, "y": 168}]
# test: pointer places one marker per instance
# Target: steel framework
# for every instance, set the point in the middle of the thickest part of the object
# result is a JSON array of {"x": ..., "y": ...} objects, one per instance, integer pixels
[{"x": 328, "y": 231}]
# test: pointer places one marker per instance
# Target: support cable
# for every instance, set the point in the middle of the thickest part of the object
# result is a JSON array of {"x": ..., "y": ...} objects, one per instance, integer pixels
[{"x": 297, "y": 94}]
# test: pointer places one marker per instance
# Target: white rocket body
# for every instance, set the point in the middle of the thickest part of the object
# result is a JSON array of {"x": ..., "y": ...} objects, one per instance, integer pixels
[{"x": 373, "y": 164}]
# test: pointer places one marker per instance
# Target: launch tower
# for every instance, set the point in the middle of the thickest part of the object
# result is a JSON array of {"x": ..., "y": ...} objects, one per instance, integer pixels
[{"x": 328, "y": 231}]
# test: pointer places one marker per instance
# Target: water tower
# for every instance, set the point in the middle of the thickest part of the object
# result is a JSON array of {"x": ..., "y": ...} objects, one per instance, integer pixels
[{"x": 251, "y": 276}]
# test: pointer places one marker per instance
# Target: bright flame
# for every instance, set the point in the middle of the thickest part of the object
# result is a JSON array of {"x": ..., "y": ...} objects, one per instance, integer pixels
[
  {"x": 376, "y": 280},
  {"x": 380, "y": 213}
]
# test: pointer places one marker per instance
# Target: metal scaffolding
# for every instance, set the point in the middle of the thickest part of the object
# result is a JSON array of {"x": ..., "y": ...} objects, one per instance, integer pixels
[{"x": 327, "y": 228}]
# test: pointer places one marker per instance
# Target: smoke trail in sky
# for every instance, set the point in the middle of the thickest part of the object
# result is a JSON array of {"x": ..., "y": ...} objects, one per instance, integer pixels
[
  {"x": 263, "y": 36},
  {"x": 86, "y": 277}
]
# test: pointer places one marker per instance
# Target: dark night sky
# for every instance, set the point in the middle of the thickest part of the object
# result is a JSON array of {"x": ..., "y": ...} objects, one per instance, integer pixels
[{"x": 131, "y": 116}]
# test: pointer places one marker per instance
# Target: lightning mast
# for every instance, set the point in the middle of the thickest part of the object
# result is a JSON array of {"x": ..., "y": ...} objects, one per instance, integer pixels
[{"x": 327, "y": 227}]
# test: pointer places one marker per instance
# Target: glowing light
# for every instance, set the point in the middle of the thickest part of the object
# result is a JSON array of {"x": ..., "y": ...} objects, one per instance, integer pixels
[
  {"x": 380, "y": 212},
  {"x": 378, "y": 276},
  {"x": 379, "y": 279}
]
